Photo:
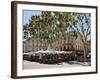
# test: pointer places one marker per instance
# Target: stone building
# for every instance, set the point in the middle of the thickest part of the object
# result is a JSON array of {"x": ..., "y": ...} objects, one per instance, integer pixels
[
  {"x": 28, "y": 45},
  {"x": 72, "y": 43}
]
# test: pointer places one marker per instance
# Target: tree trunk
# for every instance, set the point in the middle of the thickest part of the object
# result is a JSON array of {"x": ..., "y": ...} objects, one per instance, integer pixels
[
  {"x": 64, "y": 43},
  {"x": 85, "y": 52}
]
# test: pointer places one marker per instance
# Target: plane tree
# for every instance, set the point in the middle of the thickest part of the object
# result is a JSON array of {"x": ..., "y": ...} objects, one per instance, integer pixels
[
  {"x": 50, "y": 27},
  {"x": 83, "y": 29}
]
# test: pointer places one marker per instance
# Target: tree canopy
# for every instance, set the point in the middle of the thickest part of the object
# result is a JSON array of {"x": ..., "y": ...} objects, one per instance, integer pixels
[{"x": 50, "y": 27}]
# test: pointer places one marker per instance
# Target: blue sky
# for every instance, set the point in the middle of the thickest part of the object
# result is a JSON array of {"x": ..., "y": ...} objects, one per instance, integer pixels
[{"x": 28, "y": 13}]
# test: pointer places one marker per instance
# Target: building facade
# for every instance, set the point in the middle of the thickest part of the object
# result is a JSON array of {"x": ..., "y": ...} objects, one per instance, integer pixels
[{"x": 72, "y": 43}]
